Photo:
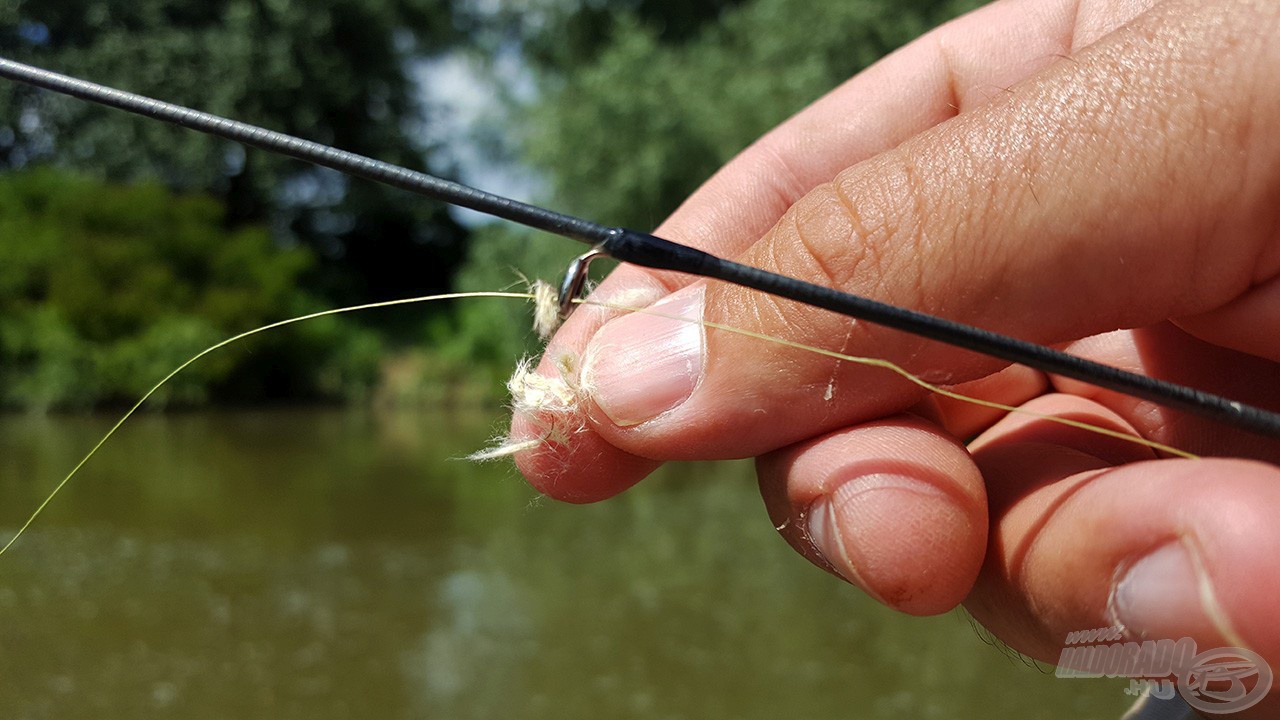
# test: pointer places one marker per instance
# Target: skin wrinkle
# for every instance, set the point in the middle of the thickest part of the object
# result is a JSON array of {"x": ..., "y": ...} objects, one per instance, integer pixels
[
  {"x": 774, "y": 357},
  {"x": 770, "y": 303},
  {"x": 1201, "y": 248},
  {"x": 816, "y": 249},
  {"x": 1211, "y": 225},
  {"x": 1030, "y": 171},
  {"x": 1031, "y": 167},
  {"x": 990, "y": 272},
  {"x": 1112, "y": 134},
  {"x": 960, "y": 215},
  {"x": 990, "y": 159},
  {"x": 860, "y": 235},
  {"x": 816, "y": 326},
  {"x": 895, "y": 232},
  {"x": 790, "y": 188},
  {"x": 915, "y": 187},
  {"x": 1072, "y": 35},
  {"x": 871, "y": 265},
  {"x": 1237, "y": 144},
  {"x": 950, "y": 80},
  {"x": 860, "y": 230},
  {"x": 1244, "y": 131}
]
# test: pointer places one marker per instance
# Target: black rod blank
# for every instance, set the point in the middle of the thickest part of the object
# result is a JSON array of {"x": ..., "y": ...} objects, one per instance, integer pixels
[
  {"x": 647, "y": 250},
  {"x": 312, "y": 152},
  {"x": 643, "y": 249}
]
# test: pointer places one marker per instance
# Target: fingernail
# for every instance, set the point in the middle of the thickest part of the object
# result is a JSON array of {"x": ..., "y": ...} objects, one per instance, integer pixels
[
  {"x": 827, "y": 539},
  {"x": 1166, "y": 595},
  {"x": 867, "y": 512},
  {"x": 642, "y": 365}
]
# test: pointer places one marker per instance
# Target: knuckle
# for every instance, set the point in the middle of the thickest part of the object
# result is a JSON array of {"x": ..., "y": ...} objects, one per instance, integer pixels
[{"x": 831, "y": 239}]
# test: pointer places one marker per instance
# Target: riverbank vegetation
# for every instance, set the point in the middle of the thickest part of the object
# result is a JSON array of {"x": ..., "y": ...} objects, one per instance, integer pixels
[
  {"x": 106, "y": 288},
  {"x": 126, "y": 247}
]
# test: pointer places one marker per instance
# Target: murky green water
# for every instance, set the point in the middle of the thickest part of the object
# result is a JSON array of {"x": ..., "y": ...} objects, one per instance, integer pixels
[{"x": 343, "y": 564}]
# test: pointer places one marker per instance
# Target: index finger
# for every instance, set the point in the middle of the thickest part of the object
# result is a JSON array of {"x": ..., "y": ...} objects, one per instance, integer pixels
[{"x": 951, "y": 70}]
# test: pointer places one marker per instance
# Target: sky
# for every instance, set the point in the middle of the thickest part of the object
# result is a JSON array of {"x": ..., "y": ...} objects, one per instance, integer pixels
[{"x": 469, "y": 123}]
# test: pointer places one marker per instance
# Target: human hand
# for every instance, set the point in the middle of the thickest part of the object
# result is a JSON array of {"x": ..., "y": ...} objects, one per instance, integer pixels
[{"x": 1052, "y": 170}]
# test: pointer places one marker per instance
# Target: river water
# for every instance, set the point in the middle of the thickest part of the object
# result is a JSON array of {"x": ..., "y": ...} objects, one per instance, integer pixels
[{"x": 346, "y": 564}]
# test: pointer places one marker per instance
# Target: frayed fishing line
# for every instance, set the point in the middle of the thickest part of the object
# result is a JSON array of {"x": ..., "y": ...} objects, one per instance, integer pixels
[
  {"x": 555, "y": 403},
  {"x": 551, "y": 402},
  {"x": 546, "y": 310}
]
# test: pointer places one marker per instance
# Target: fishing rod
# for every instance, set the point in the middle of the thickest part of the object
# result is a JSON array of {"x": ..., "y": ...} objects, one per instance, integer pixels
[{"x": 640, "y": 248}]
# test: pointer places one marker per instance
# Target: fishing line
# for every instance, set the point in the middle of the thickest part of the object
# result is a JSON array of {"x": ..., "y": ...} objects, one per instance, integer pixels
[
  {"x": 556, "y": 398},
  {"x": 248, "y": 333},
  {"x": 562, "y": 398},
  {"x": 650, "y": 251}
]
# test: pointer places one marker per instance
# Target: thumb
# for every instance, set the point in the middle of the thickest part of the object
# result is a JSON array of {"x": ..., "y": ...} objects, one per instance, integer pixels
[{"x": 1132, "y": 183}]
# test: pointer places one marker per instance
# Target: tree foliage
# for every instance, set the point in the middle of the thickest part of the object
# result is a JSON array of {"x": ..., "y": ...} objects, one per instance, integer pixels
[
  {"x": 330, "y": 70},
  {"x": 560, "y": 35},
  {"x": 628, "y": 136},
  {"x": 104, "y": 289}
]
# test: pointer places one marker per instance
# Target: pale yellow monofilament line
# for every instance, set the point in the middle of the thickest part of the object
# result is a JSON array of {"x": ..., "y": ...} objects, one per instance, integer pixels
[
  {"x": 368, "y": 306},
  {"x": 899, "y": 370},
  {"x": 543, "y": 299}
]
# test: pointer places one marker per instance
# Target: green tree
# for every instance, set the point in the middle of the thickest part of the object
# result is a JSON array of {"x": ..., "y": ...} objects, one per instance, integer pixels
[
  {"x": 560, "y": 35},
  {"x": 626, "y": 137},
  {"x": 105, "y": 288},
  {"x": 337, "y": 71}
]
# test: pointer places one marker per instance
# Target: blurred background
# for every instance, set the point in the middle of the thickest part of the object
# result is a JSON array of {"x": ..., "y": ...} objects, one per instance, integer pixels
[
  {"x": 294, "y": 535},
  {"x": 129, "y": 245}
]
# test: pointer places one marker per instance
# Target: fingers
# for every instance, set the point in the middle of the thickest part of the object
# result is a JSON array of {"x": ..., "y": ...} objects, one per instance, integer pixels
[
  {"x": 1161, "y": 548},
  {"x": 1165, "y": 351},
  {"x": 1011, "y": 387},
  {"x": 1087, "y": 531},
  {"x": 961, "y": 66},
  {"x": 1101, "y": 194},
  {"x": 1235, "y": 325},
  {"x": 895, "y": 507}
]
